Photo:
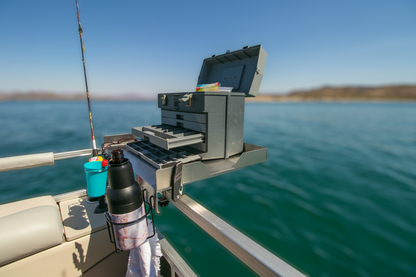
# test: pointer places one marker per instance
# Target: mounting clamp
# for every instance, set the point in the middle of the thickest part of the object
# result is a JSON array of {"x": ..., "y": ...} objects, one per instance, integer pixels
[{"x": 177, "y": 187}]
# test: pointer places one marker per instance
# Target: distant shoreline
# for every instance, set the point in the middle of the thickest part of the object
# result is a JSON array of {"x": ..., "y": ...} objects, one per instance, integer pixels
[
  {"x": 398, "y": 93},
  {"x": 40, "y": 96},
  {"x": 278, "y": 99},
  {"x": 248, "y": 100},
  {"x": 74, "y": 100}
]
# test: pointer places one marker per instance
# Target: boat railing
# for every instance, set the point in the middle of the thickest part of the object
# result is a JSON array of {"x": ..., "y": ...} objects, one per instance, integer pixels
[
  {"x": 259, "y": 259},
  {"x": 35, "y": 160}
]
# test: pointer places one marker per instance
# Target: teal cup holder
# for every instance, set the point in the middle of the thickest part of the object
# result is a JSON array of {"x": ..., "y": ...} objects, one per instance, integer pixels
[{"x": 96, "y": 178}]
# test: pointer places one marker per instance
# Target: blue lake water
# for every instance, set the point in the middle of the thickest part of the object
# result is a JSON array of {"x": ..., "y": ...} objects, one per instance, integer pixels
[{"x": 336, "y": 197}]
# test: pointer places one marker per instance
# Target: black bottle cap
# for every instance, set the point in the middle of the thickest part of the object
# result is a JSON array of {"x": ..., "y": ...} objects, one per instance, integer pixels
[{"x": 117, "y": 156}]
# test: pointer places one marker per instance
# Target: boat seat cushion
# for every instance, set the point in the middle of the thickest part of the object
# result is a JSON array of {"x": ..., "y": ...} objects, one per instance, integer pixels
[
  {"x": 14, "y": 207},
  {"x": 29, "y": 231}
]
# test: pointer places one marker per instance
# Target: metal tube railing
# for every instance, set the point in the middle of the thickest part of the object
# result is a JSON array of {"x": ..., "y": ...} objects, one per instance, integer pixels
[
  {"x": 35, "y": 160},
  {"x": 248, "y": 251},
  {"x": 72, "y": 154}
]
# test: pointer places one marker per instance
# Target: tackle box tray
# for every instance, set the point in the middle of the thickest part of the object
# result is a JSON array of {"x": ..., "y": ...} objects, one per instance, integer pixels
[
  {"x": 168, "y": 136},
  {"x": 159, "y": 157}
]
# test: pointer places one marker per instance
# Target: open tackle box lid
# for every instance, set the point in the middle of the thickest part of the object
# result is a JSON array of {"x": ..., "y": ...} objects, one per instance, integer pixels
[{"x": 241, "y": 69}]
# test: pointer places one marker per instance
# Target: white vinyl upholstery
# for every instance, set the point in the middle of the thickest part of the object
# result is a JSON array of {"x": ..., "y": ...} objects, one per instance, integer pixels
[
  {"x": 18, "y": 206},
  {"x": 33, "y": 227}
]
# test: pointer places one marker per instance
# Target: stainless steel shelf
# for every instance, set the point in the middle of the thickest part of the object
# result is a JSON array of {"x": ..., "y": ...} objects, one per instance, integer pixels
[{"x": 157, "y": 180}]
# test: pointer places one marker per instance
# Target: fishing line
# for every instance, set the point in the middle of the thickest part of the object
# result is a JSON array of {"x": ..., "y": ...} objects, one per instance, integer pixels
[{"x": 94, "y": 148}]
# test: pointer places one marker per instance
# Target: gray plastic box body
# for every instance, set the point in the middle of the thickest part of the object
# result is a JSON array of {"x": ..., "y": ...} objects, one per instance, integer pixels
[
  {"x": 212, "y": 123},
  {"x": 219, "y": 116}
]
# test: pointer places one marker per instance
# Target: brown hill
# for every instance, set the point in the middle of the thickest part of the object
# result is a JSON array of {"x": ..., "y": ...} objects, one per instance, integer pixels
[
  {"x": 377, "y": 93},
  {"x": 382, "y": 93},
  {"x": 41, "y": 96}
]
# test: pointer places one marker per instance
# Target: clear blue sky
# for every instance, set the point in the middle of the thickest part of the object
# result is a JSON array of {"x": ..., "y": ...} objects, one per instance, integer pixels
[{"x": 146, "y": 47}]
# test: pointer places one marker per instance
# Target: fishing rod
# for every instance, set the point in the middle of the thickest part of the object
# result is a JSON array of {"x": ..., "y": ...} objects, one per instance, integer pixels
[{"x": 94, "y": 148}]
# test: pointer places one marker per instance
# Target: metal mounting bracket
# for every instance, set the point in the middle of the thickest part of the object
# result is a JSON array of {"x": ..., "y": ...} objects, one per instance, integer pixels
[{"x": 177, "y": 187}]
